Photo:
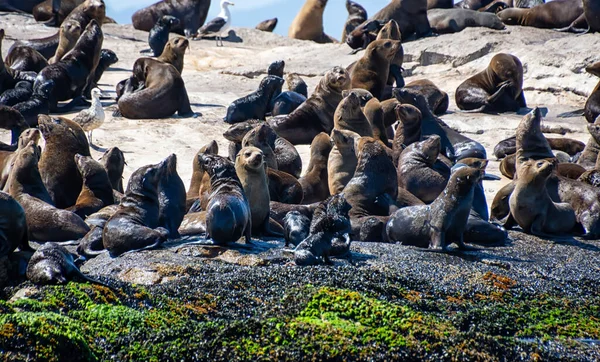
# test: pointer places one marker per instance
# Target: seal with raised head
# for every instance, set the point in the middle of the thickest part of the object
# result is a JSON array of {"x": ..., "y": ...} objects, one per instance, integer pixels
[
  {"x": 315, "y": 182},
  {"x": 44, "y": 221},
  {"x": 191, "y": 14},
  {"x": 442, "y": 222},
  {"x": 349, "y": 116},
  {"x": 263, "y": 138},
  {"x": 371, "y": 72},
  {"x": 25, "y": 59},
  {"x": 532, "y": 208},
  {"x": 76, "y": 70},
  {"x": 197, "y": 172},
  {"x": 551, "y": 15},
  {"x": 64, "y": 139},
  {"x": 356, "y": 16},
  {"x": 256, "y": 104},
  {"x": 113, "y": 161},
  {"x": 135, "y": 225},
  {"x": 96, "y": 191},
  {"x": 408, "y": 130},
  {"x": 159, "y": 34},
  {"x": 589, "y": 155},
  {"x": 267, "y": 25},
  {"x": 174, "y": 52},
  {"x": 250, "y": 169},
  {"x": 107, "y": 58},
  {"x": 316, "y": 114},
  {"x": 171, "y": 197},
  {"x": 69, "y": 33},
  {"x": 13, "y": 226},
  {"x": 391, "y": 31},
  {"x": 12, "y": 120},
  {"x": 374, "y": 113},
  {"x": 499, "y": 88},
  {"x": 308, "y": 24},
  {"x": 342, "y": 160},
  {"x": 162, "y": 95}
]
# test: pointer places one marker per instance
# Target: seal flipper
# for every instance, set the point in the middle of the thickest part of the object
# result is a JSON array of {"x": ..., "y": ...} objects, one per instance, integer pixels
[
  {"x": 272, "y": 228},
  {"x": 396, "y": 72}
]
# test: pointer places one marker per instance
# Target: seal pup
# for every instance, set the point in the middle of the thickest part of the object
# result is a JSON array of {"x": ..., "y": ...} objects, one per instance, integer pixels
[
  {"x": 408, "y": 130},
  {"x": 443, "y": 221},
  {"x": 21, "y": 93},
  {"x": 13, "y": 226},
  {"x": 171, "y": 198},
  {"x": 162, "y": 95},
  {"x": 44, "y": 221},
  {"x": 342, "y": 160},
  {"x": 308, "y": 23},
  {"x": 284, "y": 187},
  {"x": 228, "y": 214},
  {"x": 53, "y": 264},
  {"x": 316, "y": 114},
  {"x": 113, "y": 161},
  {"x": 92, "y": 118},
  {"x": 532, "y": 208},
  {"x": 19, "y": 6},
  {"x": 250, "y": 169},
  {"x": 296, "y": 84},
  {"x": 25, "y": 59},
  {"x": 296, "y": 227},
  {"x": 315, "y": 182},
  {"x": 64, "y": 139},
  {"x": 37, "y": 104},
  {"x": 159, "y": 34},
  {"x": 372, "y": 70},
  {"x": 391, "y": 31},
  {"x": 417, "y": 172},
  {"x": 499, "y": 88},
  {"x": 350, "y": 117},
  {"x": 356, "y": 16},
  {"x": 256, "y": 104},
  {"x": 191, "y": 14},
  {"x": 96, "y": 191},
  {"x": 198, "y": 173},
  {"x": 69, "y": 33},
  {"x": 135, "y": 225},
  {"x": 267, "y": 25},
  {"x": 72, "y": 73},
  {"x": 107, "y": 58},
  {"x": 174, "y": 52}
]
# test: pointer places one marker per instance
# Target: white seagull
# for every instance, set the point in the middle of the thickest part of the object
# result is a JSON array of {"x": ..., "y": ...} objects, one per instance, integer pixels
[
  {"x": 219, "y": 25},
  {"x": 92, "y": 118}
]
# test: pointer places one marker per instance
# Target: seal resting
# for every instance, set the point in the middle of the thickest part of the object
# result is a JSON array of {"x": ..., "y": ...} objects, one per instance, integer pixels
[
  {"x": 135, "y": 225},
  {"x": 25, "y": 59},
  {"x": 314, "y": 182},
  {"x": 446, "y": 21},
  {"x": 162, "y": 95},
  {"x": 499, "y": 88},
  {"x": 443, "y": 221},
  {"x": 191, "y": 14},
  {"x": 20, "y": 93},
  {"x": 267, "y": 25},
  {"x": 308, "y": 24},
  {"x": 551, "y": 15},
  {"x": 316, "y": 114},
  {"x": 13, "y": 226},
  {"x": 411, "y": 16}
]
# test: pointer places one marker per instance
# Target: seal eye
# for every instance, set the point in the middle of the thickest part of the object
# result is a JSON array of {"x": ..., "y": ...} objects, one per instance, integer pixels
[
  {"x": 388, "y": 44},
  {"x": 540, "y": 164}
]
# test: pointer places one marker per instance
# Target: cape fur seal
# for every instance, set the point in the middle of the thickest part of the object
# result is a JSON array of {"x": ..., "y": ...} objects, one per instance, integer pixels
[
  {"x": 37, "y": 104},
  {"x": 445, "y": 21},
  {"x": 499, "y": 88},
  {"x": 159, "y": 34},
  {"x": 308, "y": 23},
  {"x": 20, "y": 93},
  {"x": 371, "y": 72},
  {"x": 171, "y": 198},
  {"x": 296, "y": 227},
  {"x": 437, "y": 99},
  {"x": 96, "y": 191},
  {"x": 553, "y": 14},
  {"x": 25, "y": 59},
  {"x": 411, "y": 16},
  {"x": 191, "y": 14},
  {"x": 13, "y": 226},
  {"x": 256, "y": 104},
  {"x": 54, "y": 12},
  {"x": 267, "y": 25},
  {"x": 135, "y": 225},
  {"x": 314, "y": 182},
  {"x": 113, "y": 161},
  {"x": 342, "y": 160},
  {"x": 592, "y": 105},
  {"x": 356, "y": 16}
]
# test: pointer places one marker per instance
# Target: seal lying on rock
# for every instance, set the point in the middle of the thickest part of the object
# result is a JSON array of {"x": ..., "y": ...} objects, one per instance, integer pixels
[
  {"x": 191, "y": 14},
  {"x": 356, "y": 16},
  {"x": 441, "y": 223},
  {"x": 499, "y": 88},
  {"x": 445, "y": 21},
  {"x": 135, "y": 225},
  {"x": 53, "y": 264}
]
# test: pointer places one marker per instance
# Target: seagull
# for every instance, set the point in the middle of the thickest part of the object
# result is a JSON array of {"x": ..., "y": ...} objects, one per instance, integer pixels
[
  {"x": 93, "y": 117},
  {"x": 219, "y": 25}
]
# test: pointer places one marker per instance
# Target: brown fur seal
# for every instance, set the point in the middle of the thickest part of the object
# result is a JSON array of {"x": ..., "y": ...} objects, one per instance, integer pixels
[
  {"x": 411, "y": 16},
  {"x": 316, "y": 114},
  {"x": 439, "y": 4},
  {"x": 25, "y": 59},
  {"x": 499, "y": 88},
  {"x": 375, "y": 175},
  {"x": 342, "y": 160},
  {"x": 7, "y": 157},
  {"x": 69, "y": 33},
  {"x": 592, "y": 105},
  {"x": 373, "y": 112},
  {"x": 54, "y": 15},
  {"x": 554, "y": 14},
  {"x": 441, "y": 223},
  {"x": 64, "y": 139},
  {"x": 349, "y": 116},
  {"x": 44, "y": 221},
  {"x": 437, "y": 99},
  {"x": 228, "y": 214},
  {"x": 408, "y": 130},
  {"x": 191, "y": 14},
  {"x": 13, "y": 226},
  {"x": 250, "y": 169},
  {"x": 372, "y": 70},
  {"x": 279, "y": 210},
  {"x": 135, "y": 225},
  {"x": 308, "y": 24},
  {"x": 113, "y": 161},
  {"x": 531, "y": 143},
  {"x": 11, "y": 120},
  {"x": 391, "y": 31},
  {"x": 267, "y": 25},
  {"x": 416, "y": 171},
  {"x": 356, "y": 16},
  {"x": 532, "y": 208},
  {"x": 589, "y": 155},
  {"x": 96, "y": 191},
  {"x": 314, "y": 181},
  {"x": 174, "y": 52},
  {"x": 197, "y": 172},
  {"x": 263, "y": 138},
  {"x": 171, "y": 198},
  {"x": 284, "y": 187},
  {"x": 446, "y": 21},
  {"x": 76, "y": 70},
  {"x": 162, "y": 95}
]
